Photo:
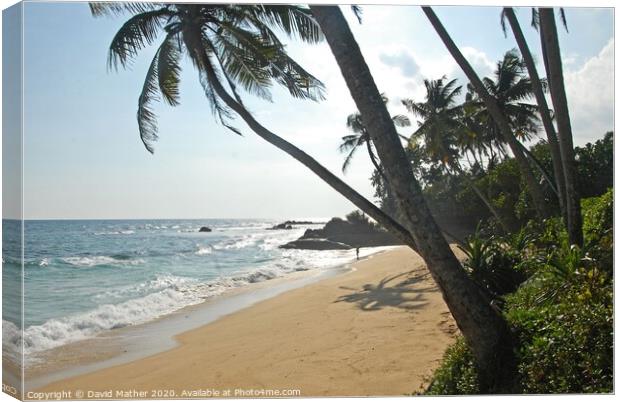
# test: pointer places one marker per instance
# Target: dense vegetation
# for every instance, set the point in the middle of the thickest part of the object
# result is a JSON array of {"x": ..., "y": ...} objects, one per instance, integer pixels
[{"x": 558, "y": 300}]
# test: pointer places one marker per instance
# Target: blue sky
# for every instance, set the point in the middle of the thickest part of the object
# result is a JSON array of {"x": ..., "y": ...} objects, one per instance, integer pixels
[{"x": 84, "y": 159}]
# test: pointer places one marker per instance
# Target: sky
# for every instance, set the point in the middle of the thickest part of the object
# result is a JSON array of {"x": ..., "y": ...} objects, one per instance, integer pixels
[{"x": 83, "y": 157}]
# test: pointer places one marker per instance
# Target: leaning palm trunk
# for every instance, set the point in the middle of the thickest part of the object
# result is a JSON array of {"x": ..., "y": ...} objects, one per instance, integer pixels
[
  {"x": 484, "y": 329},
  {"x": 357, "y": 199},
  {"x": 549, "y": 37},
  {"x": 543, "y": 108},
  {"x": 504, "y": 127}
]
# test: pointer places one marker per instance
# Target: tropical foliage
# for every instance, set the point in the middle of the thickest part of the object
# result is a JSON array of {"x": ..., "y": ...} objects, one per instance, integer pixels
[
  {"x": 234, "y": 45},
  {"x": 562, "y": 315}
]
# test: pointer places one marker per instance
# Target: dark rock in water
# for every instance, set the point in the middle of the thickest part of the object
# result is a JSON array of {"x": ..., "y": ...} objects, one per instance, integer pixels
[
  {"x": 316, "y": 244},
  {"x": 289, "y": 225},
  {"x": 281, "y": 226},
  {"x": 205, "y": 229},
  {"x": 338, "y": 233},
  {"x": 302, "y": 223}
]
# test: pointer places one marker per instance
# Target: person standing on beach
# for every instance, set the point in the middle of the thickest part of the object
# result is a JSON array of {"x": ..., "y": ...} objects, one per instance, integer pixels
[{"x": 357, "y": 253}]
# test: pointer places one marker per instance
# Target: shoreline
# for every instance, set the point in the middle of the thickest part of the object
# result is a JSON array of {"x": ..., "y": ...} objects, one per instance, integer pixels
[
  {"x": 118, "y": 346},
  {"x": 302, "y": 338}
]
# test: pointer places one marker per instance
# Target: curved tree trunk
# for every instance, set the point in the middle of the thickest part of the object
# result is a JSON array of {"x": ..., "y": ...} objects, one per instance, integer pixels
[
  {"x": 543, "y": 108},
  {"x": 534, "y": 188},
  {"x": 549, "y": 37},
  {"x": 336, "y": 183},
  {"x": 484, "y": 329}
]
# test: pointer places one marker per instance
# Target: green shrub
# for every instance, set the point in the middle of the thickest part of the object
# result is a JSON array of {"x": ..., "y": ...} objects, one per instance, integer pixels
[
  {"x": 562, "y": 315},
  {"x": 598, "y": 220},
  {"x": 565, "y": 346},
  {"x": 492, "y": 265},
  {"x": 457, "y": 374}
]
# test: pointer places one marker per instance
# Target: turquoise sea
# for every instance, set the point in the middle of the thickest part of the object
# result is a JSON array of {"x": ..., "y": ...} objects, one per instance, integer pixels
[{"x": 82, "y": 278}]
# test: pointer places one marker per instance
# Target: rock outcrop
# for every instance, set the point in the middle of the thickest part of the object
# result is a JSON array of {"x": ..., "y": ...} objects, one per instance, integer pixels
[
  {"x": 316, "y": 244},
  {"x": 281, "y": 226},
  {"x": 339, "y": 234},
  {"x": 289, "y": 225},
  {"x": 205, "y": 229}
]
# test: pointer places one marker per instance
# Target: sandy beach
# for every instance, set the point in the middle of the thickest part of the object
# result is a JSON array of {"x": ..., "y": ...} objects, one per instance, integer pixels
[{"x": 377, "y": 330}]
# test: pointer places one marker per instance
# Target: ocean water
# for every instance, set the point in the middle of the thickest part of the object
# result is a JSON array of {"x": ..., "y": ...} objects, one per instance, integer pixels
[{"x": 82, "y": 278}]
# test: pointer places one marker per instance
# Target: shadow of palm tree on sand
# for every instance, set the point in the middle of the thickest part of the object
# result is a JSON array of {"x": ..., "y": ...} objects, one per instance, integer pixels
[{"x": 386, "y": 293}]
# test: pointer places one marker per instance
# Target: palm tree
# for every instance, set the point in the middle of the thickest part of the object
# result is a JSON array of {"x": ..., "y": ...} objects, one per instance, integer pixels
[
  {"x": 543, "y": 108},
  {"x": 484, "y": 329},
  {"x": 553, "y": 64},
  {"x": 503, "y": 125},
  {"x": 440, "y": 129},
  {"x": 510, "y": 87},
  {"x": 231, "y": 46},
  {"x": 351, "y": 143},
  {"x": 440, "y": 118}
]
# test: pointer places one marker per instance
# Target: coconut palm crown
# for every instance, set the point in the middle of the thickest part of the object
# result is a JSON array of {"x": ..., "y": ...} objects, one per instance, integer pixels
[
  {"x": 234, "y": 44},
  {"x": 440, "y": 119},
  {"x": 512, "y": 89}
]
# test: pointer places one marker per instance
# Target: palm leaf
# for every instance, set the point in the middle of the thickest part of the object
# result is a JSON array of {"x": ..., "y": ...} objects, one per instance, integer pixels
[
  {"x": 147, "y": 120},
  {"x": 348, "y": 159},
  {"x": 357, "y": 11},
  {"x": 242, "y": 66},
  {"x": 294, "y": 20},
  {"x": 138, "y": 32},
  {"x": 349, "y": 142},
  {"x": 112, "y": 8},
  {"x": 563, "y": 19},
  {"x": 401, "y": 120},
  {"x": 169, "y": 69}
]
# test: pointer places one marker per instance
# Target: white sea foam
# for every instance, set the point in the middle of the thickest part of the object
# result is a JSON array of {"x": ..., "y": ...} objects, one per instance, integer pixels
[
  {"x": 129, "y": 303},
  {"x": 96, "y": 260},
  {"x": 11, "y": 341},
  {"x": 149, "y": 300},
  {"x": 115, "y": 232},
  {"x": 204, "y": 250}
]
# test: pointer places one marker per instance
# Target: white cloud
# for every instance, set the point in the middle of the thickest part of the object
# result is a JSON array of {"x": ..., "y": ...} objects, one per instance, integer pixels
[
  {"x": 402, "y": 61},
  {"x": 590, "y": 93},
  {"x": 479, "y": 61}
]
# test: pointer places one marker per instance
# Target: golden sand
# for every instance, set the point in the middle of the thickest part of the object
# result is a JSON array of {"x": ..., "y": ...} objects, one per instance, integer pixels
[{"x": 377, "y": 330}]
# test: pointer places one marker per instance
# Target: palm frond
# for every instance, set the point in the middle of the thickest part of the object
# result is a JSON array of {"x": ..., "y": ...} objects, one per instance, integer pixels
[
  {"x": 348, "y": 159},
  {"x": 401, "y": 120},
  {"x": 355, "y": 124},
  {"x": 276, "y": 64},
  {"x": 416, "y": 108},
  {"x": 296, "y": 21},
  {"x": 198, "y": 49},
  {"x": 349, "y": 142},
  {"x": 502, "y": 22},
  {"x": 535, "y": 18},
  {"x": 300, "y": 83},
  {"x": 357, "y": 11},
  {"x": 242, "y": 65},
  {"x": 563, "y": 19},
  {"x": 169, "y": 69},
  {"x": 138, "y": 32},
  {"x": 112, "y": 8},
  {"x": 147, "y": 120}
]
